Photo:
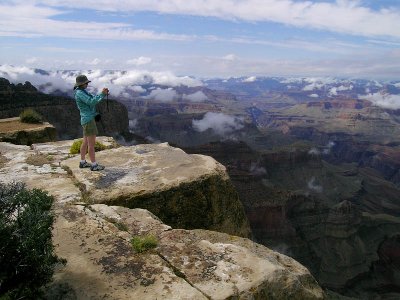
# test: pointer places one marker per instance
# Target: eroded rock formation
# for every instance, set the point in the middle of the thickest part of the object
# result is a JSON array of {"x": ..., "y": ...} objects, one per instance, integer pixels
[
  {"x": 61, "y": 112},
  {"x": 32, "y": 133},
  {"x": 331, "y": 218},
  {"x": 95, "y": 239}
]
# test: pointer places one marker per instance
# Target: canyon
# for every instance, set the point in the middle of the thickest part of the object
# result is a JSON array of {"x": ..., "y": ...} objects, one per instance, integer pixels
[{"x": 318, "y": 178}]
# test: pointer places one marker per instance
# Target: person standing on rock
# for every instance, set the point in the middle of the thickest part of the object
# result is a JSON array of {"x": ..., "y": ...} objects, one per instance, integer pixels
[{"x": 86, "y": 103}]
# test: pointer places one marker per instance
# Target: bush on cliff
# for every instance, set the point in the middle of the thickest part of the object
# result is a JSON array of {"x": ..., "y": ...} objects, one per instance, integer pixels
[
  {"x": 30, "y": 116},
  {"x": 27, "y": 256},
  {"x": 76, "y": 147}
]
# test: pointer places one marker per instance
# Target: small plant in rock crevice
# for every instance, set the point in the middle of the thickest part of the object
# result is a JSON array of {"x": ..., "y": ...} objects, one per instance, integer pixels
[{"x": 144, "y": 243}]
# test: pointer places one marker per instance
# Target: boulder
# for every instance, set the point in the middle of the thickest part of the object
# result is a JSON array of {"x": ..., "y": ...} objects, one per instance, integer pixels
[{"x": 186, "y": 264}]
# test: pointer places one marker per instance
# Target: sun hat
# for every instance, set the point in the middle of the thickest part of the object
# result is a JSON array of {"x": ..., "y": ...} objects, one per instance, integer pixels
[{"x": 81, "y": 80}]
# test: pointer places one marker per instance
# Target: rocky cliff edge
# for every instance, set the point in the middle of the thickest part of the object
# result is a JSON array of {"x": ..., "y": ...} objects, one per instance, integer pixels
[{"x": 142, "y": 189}]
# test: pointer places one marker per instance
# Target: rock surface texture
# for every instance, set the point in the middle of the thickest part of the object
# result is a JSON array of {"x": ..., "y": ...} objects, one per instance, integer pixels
[
  {"x": 98, "y": 214},
  {"x": 185, "y": 191}
]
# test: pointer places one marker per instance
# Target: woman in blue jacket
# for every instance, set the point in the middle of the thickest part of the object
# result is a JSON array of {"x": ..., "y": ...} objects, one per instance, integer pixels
[{"x": 87, "y": 107}]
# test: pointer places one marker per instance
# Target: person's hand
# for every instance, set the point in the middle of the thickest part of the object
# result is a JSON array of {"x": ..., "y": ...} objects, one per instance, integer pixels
[{"x": 105, "y": 91}]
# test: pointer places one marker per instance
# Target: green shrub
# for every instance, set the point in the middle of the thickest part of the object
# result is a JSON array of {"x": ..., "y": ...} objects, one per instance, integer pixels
[
  {"x": 76, "y": 147},
  {"x": 142, "y": 244},
  {"x": 27, "y": 256},
  {"x": 30, "y": 116}
]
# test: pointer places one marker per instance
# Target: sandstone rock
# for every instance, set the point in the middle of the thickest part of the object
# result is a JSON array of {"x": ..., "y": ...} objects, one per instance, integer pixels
[
  {"x": 343, "y": 242},
  {"x": 35, "y": 133},
  {"x": 343, "y": 220},
  {"x": 224, "y": 266},
  {"x": 50, "y": 177},
  {"x": 101, "y": 263},
  {"x": 95, "y": 239},
  {"x": 185, "y": 191},
  {"x": 195, "y": 264}
]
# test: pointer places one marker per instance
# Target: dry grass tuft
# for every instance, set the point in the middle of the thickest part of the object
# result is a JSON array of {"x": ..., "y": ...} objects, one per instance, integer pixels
[
  {"x": 3, "y": 161},
  {"x": 38, "y": 159}
]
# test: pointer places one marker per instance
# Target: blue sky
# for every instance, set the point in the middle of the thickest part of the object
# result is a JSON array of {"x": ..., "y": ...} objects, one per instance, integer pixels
[{"x": 206, "y": 38}]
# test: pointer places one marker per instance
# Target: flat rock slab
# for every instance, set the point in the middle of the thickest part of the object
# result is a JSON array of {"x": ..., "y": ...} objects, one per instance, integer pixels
[
  {"x": 142, "y": 169},
  {"x": 49, "y": 176},
  {"x": 15, "y": 166},
  {"x": 14, "y": 124},
  {"x": 198, "y": 264},
  {"x": 101, "y": 263},
  {"x": 224, "y": 266},
  {"x": 60, "y": 150},
  {"x": 184, "y": 190},
  {"x": 14, "y": 131}
]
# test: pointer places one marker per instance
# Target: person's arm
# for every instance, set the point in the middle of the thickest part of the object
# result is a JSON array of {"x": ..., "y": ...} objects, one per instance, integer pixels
[{"x": 90, "y": 99}]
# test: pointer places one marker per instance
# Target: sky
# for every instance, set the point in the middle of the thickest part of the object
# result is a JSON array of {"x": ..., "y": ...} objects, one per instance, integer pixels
[{"x": 205, "y": 38}]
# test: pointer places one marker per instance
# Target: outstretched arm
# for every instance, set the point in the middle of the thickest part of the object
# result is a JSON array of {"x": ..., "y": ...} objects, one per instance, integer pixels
[{"x": 91, "y": 99}]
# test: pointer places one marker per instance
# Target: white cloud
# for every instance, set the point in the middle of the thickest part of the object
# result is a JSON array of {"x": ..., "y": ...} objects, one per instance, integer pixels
[
  {"x": 230, "y": 57},
  {"x": 291, "y": 80},
  {"x": 94, "y": 62},
  {"x": 120, "y": 83},
  {"x": 313, "y": 86},
  {"x": 250, "y": 79},
  {"x": 30, "y": 20},
  {"x": 163, "y": 95},
  {"x": 345, "y": 88},
  {"x": 198, "y": 96},
  {"x": 320, "y": 80},
  {"x": 313, "y": 95},
  {"x": 255, "y": 169},
  {"x": 140, "y": 61},
  {"x": 312, "y": 185},
  {"x": 133, "y": 124},
  {"x": 220, "y": 123},
  {"x": 138, "y": 89},
  {"x": 344, "y": 16},
  {"x": 169, "y": 79},
  {"x": 18, "y": 74},
  {"x": 333, "y": 91},
  {"x": 328, "y": 147},
  {"x": 383, "y": 100},
  {"x": 327, "y": 45},
  {"x": 314, "y": 151}
]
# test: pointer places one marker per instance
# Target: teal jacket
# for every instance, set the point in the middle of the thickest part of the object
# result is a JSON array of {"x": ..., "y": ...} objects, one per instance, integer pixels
[{"x": 87, "y": 104}]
